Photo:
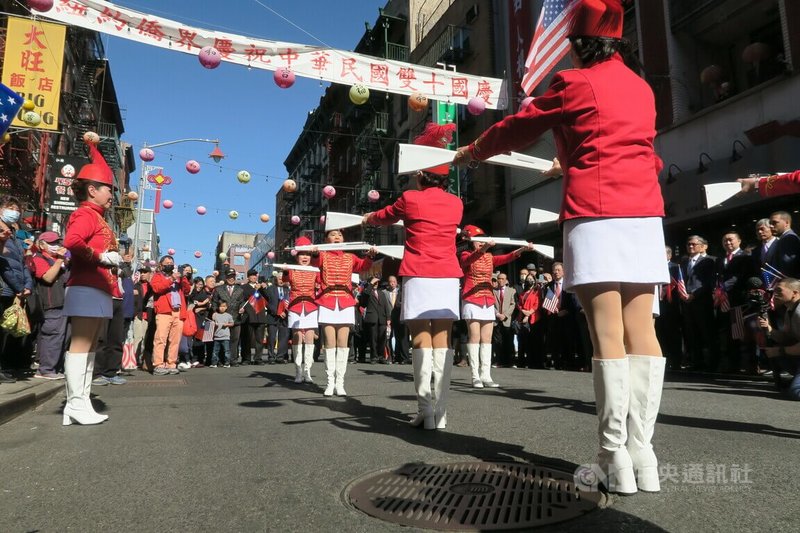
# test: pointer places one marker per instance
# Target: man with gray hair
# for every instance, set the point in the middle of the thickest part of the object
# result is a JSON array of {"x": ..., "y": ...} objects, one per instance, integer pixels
[
  {"x": 765, "y": 252},
  {"x": 699, "y": 271}
]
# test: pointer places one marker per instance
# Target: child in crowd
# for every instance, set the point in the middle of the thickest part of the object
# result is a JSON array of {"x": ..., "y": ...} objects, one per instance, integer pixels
[{"x": 223, "y": 322}]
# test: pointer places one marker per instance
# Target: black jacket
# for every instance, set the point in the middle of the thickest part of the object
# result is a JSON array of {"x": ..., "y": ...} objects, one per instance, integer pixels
[
  {"x": 377, "y": 309},
  {"x": 250, "y": 312},
  {"x": 235, "y": 300}
]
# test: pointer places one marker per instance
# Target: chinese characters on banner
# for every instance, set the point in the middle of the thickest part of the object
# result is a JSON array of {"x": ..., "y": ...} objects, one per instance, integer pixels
[
  {"x": 32, "y": 66},
  {"x": 59, "y": 194},
  {"x": 314, "y": 62}
]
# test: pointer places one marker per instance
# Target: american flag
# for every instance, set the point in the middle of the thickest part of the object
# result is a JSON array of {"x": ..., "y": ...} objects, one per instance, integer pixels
[
  {"x": 550, "y": 302},
  {"x": 257, "y": 302},
  {"x": 10, "y": 102},
  {"x": 549, "y": 43},
  {"x": 737, "y": 323},
  {"x": 680, "y": 284},
  {"x": 721, "y": 298}
]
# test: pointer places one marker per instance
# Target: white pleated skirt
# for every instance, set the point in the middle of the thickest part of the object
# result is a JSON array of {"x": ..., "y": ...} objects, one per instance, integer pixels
[
  {"x": 87, "y": 302},
  {"x": 471, "y": 311},
  {"x": 430, "y": 299},
  {"x": 624, "y": 250},
  {"x": 303, "y": 320},
  {"x": 336, "y": 316}
]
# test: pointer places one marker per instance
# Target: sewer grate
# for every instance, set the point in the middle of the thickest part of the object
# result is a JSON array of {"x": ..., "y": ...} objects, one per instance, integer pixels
[
  {"x": 470, "y": 496},
  {"x": 157, "y": 383}
]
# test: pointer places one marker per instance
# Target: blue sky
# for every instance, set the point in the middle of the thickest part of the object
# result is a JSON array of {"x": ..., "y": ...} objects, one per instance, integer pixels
[{"x": 167, "y": 95}]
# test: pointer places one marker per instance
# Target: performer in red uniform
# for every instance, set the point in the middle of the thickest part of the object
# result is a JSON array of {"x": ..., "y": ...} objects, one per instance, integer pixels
[
  {"x": 477, "y": 307},
  {"x": 775, "y": 185},
  {"x": 430, "y": 277},
  {"x": 87, "y": 300},
  {"x": 603, "y": 118},
  {"x": 303, "y": 314},
  {"x": 337, "y": 308}
]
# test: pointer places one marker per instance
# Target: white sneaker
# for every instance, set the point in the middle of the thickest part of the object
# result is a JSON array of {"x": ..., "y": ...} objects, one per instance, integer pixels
[{"x": 184, "y": 366}]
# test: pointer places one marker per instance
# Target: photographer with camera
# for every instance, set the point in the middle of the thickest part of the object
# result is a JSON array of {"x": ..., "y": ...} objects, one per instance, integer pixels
[{"x": 785, "y": 351}]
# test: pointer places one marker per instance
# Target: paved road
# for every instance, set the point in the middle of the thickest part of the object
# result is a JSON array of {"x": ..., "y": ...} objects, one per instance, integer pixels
[{"x": 245, "y": 449}]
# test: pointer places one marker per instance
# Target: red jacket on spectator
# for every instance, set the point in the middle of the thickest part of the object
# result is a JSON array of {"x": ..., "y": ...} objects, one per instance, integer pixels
[
  {"x": 478, "y": 267},
  {"x": 530, "y": 300},
  {"x": 161, "y": 286},
  {"x": 779, "y": 185},
  {"x": 89, "y": 235}
]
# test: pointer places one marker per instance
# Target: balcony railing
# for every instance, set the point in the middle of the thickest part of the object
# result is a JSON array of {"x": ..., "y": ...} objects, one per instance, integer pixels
[
  {"x": 396, "y": 52},
  {"x": 451, "y": 46}
]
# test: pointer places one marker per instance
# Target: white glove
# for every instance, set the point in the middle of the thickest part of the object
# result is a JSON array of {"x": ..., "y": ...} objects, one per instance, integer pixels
[{"x": 110, "y": 259}]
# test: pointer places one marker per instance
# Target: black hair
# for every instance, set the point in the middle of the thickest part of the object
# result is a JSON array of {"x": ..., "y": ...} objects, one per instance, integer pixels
[
  {"x": 198, "y": 279},
  {"x": 593, "y": 49},
  {"x": 165, "y": 257},
  {"x": 428, "y": 179},
  {"x": 80, "y": 188},
  {"x": 10, "y": 200}
]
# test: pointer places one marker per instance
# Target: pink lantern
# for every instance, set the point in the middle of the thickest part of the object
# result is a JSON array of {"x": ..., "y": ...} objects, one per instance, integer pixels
[
  {"x": 167, "y": 204},
  {"x": 146, "y": 154},
  {"x": 284, "y": 78},
  {"x": 171, "y": 251},
  {"x": 295, "y": 220},
  {"x": 198, "y": 254},
  {"x": 328, "y": 192},
  {"x": 40, "y": 5},
  {"x": 152, "y": 263},
  {"x": 201, "y": 210},
  {"x": 476, "y": 106},
  {"x": 209, "y": 57},
  {"x": 373, "y": 195},
  {"x": 270, "y": 255},
  {"x": 192, "y": 166},
  {"x": 293, "y": 252},
  {"x": 523, "y": 105},
  {"x": 322, "y": 220}
]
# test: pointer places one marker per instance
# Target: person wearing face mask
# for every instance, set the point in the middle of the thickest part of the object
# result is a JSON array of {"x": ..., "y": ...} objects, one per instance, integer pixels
[
  {"x": 50, "y": 268},
  {"x": 529, "y": 318},
  {"x": 5, "y": 234},
  {"x": 94, "y": 251},
  {"x": 170, "y": 288}
]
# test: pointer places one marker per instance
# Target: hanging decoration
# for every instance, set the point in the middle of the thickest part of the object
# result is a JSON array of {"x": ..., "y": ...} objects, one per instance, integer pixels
[
  {"x": 201, "y": 210},
  {"x": 359, "y": 94},
  {"x": 146, "y": 155},
  {"x": 322, "y": 220},
  {"x": 28, "y": 105},
  {"x": 223, "y": 256},
  {"x": 243, "y": 176},
  {"x": 523, "y": 105},
  {"x": 192, "y": 166},
  {"x": 293, "y": 252},
  {"x": 328, "y": 191},
  {"x": 91, "y": 137},
  {"x": 289, "y": 186},
  {"x": 373, "y": 195},
  {"x": 171, "y": 251},
  {"x": 295, "y": 220},
  {"x": 233, "y": 215},
  {"x": 209, "y": 57},
  {"x": 32, "y": 118},
  {"x": 198, "y": 254},
  {"x": 476, "y": 106},
  {"x": 246, "y": 255},
  {"x": 264, "y": 217},
  {"x": 270, "y": 255},
  {"x": 40, "y": 5},
  {"x": 133, "y": 196},
  {"x": 418, "y": 102},
  {"x": 284, "y": 78},
  {"x": 167, "y": 204}
]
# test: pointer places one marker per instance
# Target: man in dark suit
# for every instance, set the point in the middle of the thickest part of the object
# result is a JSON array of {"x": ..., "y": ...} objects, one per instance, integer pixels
[
  {"x": 394, "y": 298},
  {"x": 765, "y": 251},
  {"x": 278, "y": 331},
  {"x": 254, "y": 319},
  {"x": 561, "y": 326},
  {"x": 734, "y": 270},
  {"x": 233, "y": 295},
  {"x": 700, "y": 274},
  {"x": 377, "y": 313},
  {"x": 787, "y": 249},
  {"x": 505, "y": 303},
  {"x": 668, "y": 322}
]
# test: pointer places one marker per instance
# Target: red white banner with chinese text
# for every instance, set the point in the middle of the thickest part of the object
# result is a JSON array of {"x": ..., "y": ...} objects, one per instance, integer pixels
[{"x": 314, "y": 62}]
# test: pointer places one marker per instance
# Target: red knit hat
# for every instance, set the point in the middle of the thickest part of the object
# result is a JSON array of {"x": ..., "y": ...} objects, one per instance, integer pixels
[
  {"x": 472, "y": 231},
  {"x": 438, "y": 136},
  {"x": 98, "y": 170},
  {"x": 302, "y": 241},
  {"x": 597, "y": 18}
]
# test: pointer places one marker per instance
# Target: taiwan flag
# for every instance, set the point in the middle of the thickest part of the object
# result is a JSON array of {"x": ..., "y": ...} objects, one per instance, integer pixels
[
  {"x": 10, "y": 102},
  {"x": 257, "y": 302}
]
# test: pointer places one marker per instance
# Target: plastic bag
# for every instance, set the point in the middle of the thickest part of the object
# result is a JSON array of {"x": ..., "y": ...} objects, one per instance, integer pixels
[{"x": 15, "y": 320}]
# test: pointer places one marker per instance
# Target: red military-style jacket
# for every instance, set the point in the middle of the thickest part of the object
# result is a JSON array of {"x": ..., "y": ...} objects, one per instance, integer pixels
[
  {"x": 161, "y": 286},
  {"x": 335, "y": 278},
  {"x": 478, "y": 267},
  {"x": 302, "y": 290},
  {"x": 89, "y": 235},
  {"x": 603, "y": 119},
  {"x": 779, "y": 185},
  {"x": 431, "y": 217}
]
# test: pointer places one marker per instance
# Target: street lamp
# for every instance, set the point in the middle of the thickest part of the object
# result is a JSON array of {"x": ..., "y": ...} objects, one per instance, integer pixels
[{"x": 216, "y": 155}]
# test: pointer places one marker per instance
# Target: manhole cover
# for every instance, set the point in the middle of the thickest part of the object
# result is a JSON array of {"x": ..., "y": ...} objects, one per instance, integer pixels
[
  {"x": 157, "y": 383},
  {"x": 470, "y": 496}
]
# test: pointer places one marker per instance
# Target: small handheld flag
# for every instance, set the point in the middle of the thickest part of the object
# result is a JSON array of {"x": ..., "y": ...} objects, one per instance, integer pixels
[{"x": 10, "y": 102}]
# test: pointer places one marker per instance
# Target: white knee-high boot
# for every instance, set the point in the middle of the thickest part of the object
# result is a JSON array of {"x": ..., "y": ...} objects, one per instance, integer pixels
[
  {"x": 87, "y": 387},
  {"x": 474, "y": 364},
  {"x": 485, "y": 356},
  {"x": 611, "y": 379},
  {"x": 647, "y": 382},
  {"x": 77, "y": 408},
  {"x": 297, "y": 352},
  {"x": 422, "y": 363},
  {"x": 442, "y": 367},
  {"x": 341, "y": 368},
  {"x": 330, "y": 370},
  {"x": 308, "y": 360}
]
